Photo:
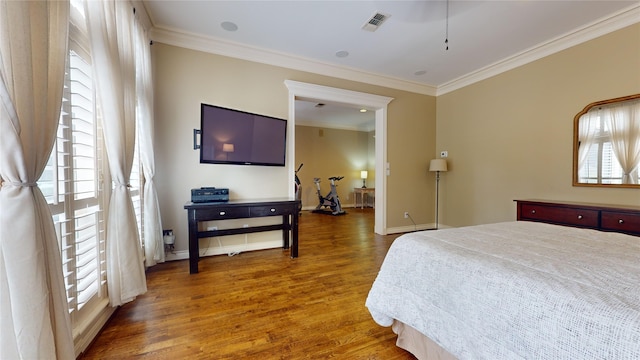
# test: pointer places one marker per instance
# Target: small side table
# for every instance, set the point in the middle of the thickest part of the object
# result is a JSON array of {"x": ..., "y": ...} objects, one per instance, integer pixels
[{"x": 370, "y": 195}]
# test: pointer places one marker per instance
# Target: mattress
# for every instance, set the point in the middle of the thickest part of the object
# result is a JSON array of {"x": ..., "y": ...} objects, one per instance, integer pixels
[{"x": 515, "y": 290}]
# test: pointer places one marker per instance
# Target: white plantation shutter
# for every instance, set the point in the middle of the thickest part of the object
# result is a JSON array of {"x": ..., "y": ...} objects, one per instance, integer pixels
[
  {"x": 89, "y": 254},
  {"x": 72, "y": 183},
  {"x": 87, "y": 209}
]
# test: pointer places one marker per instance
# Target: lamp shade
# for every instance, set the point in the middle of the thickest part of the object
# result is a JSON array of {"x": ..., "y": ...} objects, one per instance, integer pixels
[
  {"x": 364, "y": 174},
  {"x": 438, "y": 165},
  {"x": 228, "y": 147}
]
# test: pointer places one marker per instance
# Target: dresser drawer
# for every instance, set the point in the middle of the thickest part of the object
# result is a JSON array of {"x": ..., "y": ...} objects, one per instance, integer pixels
[
  {"x": 621, "y": 221},
  {"x": 257, "y": 211},
  {"x": 560, "y": 215}
]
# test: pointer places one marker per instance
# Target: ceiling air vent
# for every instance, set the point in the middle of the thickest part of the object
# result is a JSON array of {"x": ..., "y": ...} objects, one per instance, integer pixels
[{"x": 375, "y": 21}]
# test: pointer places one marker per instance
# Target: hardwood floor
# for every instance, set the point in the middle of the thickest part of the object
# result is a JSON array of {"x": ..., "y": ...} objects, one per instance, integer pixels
[{"x": 263, "y": 304}]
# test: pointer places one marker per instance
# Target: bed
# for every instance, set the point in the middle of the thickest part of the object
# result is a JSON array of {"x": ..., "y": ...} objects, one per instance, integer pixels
[{"x": 562, "y": 282}]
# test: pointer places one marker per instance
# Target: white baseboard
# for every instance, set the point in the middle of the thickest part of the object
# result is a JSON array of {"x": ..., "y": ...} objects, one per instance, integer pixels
[
  {"x": 87, "y": 332},
  {"x": 225, "y": 250},
  {"x": 419, "y": 227},
  {"x": 409, "y": 228}
]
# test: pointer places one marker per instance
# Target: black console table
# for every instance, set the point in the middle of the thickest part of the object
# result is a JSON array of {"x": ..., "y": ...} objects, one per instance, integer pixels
[{"x": 239, "y": 209}]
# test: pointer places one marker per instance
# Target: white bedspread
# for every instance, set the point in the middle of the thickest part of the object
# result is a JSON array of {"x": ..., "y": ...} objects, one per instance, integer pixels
[{"x": 515, "y": 290}]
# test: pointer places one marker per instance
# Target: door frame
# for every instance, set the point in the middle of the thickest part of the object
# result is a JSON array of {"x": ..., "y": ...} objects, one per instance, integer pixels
[{"x": 378, "y": 103}]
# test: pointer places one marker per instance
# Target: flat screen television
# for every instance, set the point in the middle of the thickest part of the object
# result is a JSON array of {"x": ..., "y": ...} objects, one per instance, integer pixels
[{"x": 230, "y": 136}]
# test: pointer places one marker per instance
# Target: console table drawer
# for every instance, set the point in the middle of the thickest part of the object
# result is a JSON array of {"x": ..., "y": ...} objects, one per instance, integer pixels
[
  {"x": 620, "y": 221},
  {"x": 258, "y": 211},
  {"x": 561, "y": 215},
  {"x": 224, "y": 213}
]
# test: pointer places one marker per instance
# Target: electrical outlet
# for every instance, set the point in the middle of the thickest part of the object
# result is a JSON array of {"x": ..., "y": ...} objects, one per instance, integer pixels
[
  {"x": 406, "y": 214},
  {"x": 212, "y": 228},
  {"x": 245, "y": 225}
]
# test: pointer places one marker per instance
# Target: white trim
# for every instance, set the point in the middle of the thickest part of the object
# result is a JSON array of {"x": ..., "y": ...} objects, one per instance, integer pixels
[
  {"x": 265, "y": 56},
  {"x": 214, "y": 250},
  {"x": 419, "y": 227},
  {"x": 85, "y": 333},
  {"x": 410, "y": 228},
  {"x": 616, "y": 21},
  {"x": 591, "y": 31},
  {"x": 305, "y": 91}
]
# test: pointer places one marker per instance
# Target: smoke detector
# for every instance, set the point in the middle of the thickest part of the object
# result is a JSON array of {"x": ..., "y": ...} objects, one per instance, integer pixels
[{"x": 375, "y": 21}]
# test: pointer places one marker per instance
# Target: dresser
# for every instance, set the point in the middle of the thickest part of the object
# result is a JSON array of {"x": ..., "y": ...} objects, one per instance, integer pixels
[{"x": 604, "y": 217}]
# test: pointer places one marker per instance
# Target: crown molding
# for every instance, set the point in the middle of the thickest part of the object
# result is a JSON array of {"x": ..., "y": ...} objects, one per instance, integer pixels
[
  {"x": 616, "y": 21},
  {"x": 313, "y": 91},
  {"x": 270, "y": 57}
]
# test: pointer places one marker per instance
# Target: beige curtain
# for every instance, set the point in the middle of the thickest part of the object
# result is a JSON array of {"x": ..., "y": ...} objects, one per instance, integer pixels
[
  {"x": 112, "y": 36},
  {"x": 624, "y": 124},
  {"x": 153, "y": 241},
  {"x": 34, "y": 317}
]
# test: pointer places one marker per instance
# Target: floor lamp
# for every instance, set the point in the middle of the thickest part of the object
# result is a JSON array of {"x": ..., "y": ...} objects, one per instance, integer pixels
[{"x": 437, "y": 165}]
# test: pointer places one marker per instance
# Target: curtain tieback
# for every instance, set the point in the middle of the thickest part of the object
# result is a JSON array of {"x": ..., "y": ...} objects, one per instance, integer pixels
[
  {"x": 121, "y": 184},
  {"x": 20, "y": 184}
]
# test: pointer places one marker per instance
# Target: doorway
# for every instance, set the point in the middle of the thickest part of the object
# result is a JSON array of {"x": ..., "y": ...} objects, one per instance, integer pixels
[{"x": 306, "y": 91}]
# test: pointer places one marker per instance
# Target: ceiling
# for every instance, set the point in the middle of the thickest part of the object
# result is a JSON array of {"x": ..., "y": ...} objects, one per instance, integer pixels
[{"x": 406, "y": 51}]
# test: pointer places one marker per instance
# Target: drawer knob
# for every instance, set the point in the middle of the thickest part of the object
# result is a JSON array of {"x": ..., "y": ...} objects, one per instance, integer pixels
[
  {"x": 620, "y": 221},
  {"x": 579, "y": 217},
  {"x": 273, "y": 210},
  {"x": 533, "y": 211},
  {"x": 222, "y": 213}
]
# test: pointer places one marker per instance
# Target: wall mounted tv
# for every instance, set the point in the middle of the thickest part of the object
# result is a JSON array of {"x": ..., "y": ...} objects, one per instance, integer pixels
[{"x": 230, "y": 136}]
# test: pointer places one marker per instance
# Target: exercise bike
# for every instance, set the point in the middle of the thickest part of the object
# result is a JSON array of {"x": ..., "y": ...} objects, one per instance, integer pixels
[{"x": 331, "y": 200}]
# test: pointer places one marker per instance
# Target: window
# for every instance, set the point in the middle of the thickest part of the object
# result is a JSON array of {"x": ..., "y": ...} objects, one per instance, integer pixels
[
  {"x": 75, "y": 183},
  {"x": 72, "y": 186}
]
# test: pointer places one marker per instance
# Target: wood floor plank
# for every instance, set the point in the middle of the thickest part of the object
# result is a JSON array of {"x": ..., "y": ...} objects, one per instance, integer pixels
[{"x": 262, "y": 304}]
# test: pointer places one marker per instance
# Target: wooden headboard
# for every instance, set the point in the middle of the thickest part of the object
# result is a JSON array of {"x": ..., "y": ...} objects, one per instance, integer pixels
[{"x": 616, "y": 218}]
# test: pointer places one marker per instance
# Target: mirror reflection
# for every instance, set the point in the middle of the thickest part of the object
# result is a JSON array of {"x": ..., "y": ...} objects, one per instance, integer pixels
[{"x": 606, "y": 144}]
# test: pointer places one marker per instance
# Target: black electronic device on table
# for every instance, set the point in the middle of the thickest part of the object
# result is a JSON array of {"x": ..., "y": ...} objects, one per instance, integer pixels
[{"x": 209, "y": 194}]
